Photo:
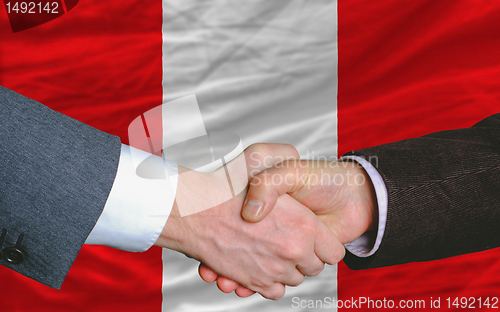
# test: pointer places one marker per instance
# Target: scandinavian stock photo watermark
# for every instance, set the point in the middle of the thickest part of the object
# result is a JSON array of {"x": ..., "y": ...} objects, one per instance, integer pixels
[{"x": 306, "y": 173}]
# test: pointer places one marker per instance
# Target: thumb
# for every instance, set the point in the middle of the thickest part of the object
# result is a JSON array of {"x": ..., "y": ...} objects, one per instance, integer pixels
[{"x": 265, "y": 188}]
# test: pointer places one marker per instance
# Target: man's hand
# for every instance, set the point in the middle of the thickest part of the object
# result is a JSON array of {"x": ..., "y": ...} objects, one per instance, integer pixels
[
  {"x": 263, "y": 257},
  {"x": 339, "y": 193}
]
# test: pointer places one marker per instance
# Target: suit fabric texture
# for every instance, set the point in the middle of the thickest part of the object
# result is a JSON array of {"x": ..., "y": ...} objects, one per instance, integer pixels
[
  {"x": 55, "y": 176},
  {"x": 443, "y": 195}
]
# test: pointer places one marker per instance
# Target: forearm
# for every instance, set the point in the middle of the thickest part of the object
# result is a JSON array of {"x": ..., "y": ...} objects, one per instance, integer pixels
[{"x": 56, "y": 175}]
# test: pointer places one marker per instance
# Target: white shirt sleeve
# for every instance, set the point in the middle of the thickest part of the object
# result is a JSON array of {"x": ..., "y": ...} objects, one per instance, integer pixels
[
  {"x": 364, "y": 246},
  {"x": 139, "y": 203}
]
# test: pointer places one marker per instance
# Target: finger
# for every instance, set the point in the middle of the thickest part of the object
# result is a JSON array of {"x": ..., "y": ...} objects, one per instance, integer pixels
[
  {"x": 226, "y": 285},
  {"x": 265, "y": 188},
  {"x": 313, "y": 267},
  {"x": 327, "y": 246},
  {"x": 243, "y": 292},
  {"x": 294, "y": 279},
  {"x": 207, "y": 274},
  {"x": 275, "y": 292}
]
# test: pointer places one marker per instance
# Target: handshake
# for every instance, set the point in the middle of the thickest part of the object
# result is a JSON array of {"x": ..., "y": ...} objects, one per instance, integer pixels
[{"x": 294, "y": 216}]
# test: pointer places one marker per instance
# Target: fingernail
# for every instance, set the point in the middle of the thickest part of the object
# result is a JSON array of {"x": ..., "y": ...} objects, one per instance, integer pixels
[{"x": 252, "y": 208}]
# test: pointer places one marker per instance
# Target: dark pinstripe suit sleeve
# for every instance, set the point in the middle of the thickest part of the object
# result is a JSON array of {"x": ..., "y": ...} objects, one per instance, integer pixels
[
  {"x": 443, "y": 195},
  {"x": 55, "y": 177}
]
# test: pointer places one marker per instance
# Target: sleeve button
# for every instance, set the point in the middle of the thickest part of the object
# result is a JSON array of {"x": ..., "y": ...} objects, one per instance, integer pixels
[{"x": 13, "y": 255}]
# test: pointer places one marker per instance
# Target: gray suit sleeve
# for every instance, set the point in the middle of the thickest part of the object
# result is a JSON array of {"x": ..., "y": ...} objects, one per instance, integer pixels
[
  {"x": 443, "y": 195},
  {"x": 55, "y": 177}
]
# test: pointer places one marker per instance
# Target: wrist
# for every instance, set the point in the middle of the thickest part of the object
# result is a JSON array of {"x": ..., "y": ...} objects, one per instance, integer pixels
[
  {"x": 363, "y": 191},
  {"x": 186, "y": 230},
  {"x": 368, "y": 191},
  {"x": 173, "y": 235},
  {"x": 178, "y": 231}
]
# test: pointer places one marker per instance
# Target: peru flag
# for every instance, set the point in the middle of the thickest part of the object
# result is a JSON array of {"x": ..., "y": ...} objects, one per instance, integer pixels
[
  {"x": 326, "y": 77},
  {"x": 406, "y": 69}
]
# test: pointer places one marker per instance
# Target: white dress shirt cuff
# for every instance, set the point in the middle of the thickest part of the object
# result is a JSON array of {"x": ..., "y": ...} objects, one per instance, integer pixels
[
  {"x": 139, "y": 203},
  {"x": 364, "y": 246}
]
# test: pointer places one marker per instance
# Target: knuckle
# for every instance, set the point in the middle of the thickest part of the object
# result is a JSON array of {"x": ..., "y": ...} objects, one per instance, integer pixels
[
  {"x": 260, "y": 148},
  {"x": 257, "y": 181},
  {"x": 261, "y": 180},
  {"x": 318, "y": 269},
  {"x": 308, "y": 228},
  {"x": 274, "y": 294},
  {"x": 253, "y": 147},
  {"x": 278, "y": 270},
  {"x": 295, "y": 251},
  {"x": 266, "y": 180},
  {"x": 260, "y": 283},
  {"x": 291, "y": 150},
  {"x": 279, "y": 294},
  {"x": 338, "y": 254},
  {"x": 297, "y": 281}
]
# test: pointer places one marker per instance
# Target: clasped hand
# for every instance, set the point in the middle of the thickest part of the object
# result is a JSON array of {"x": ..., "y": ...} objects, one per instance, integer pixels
[{"x": 296, "y": 216}]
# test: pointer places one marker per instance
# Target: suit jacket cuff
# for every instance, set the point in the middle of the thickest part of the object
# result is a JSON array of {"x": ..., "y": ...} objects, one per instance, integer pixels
[{"x": 139, "y": 203}]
